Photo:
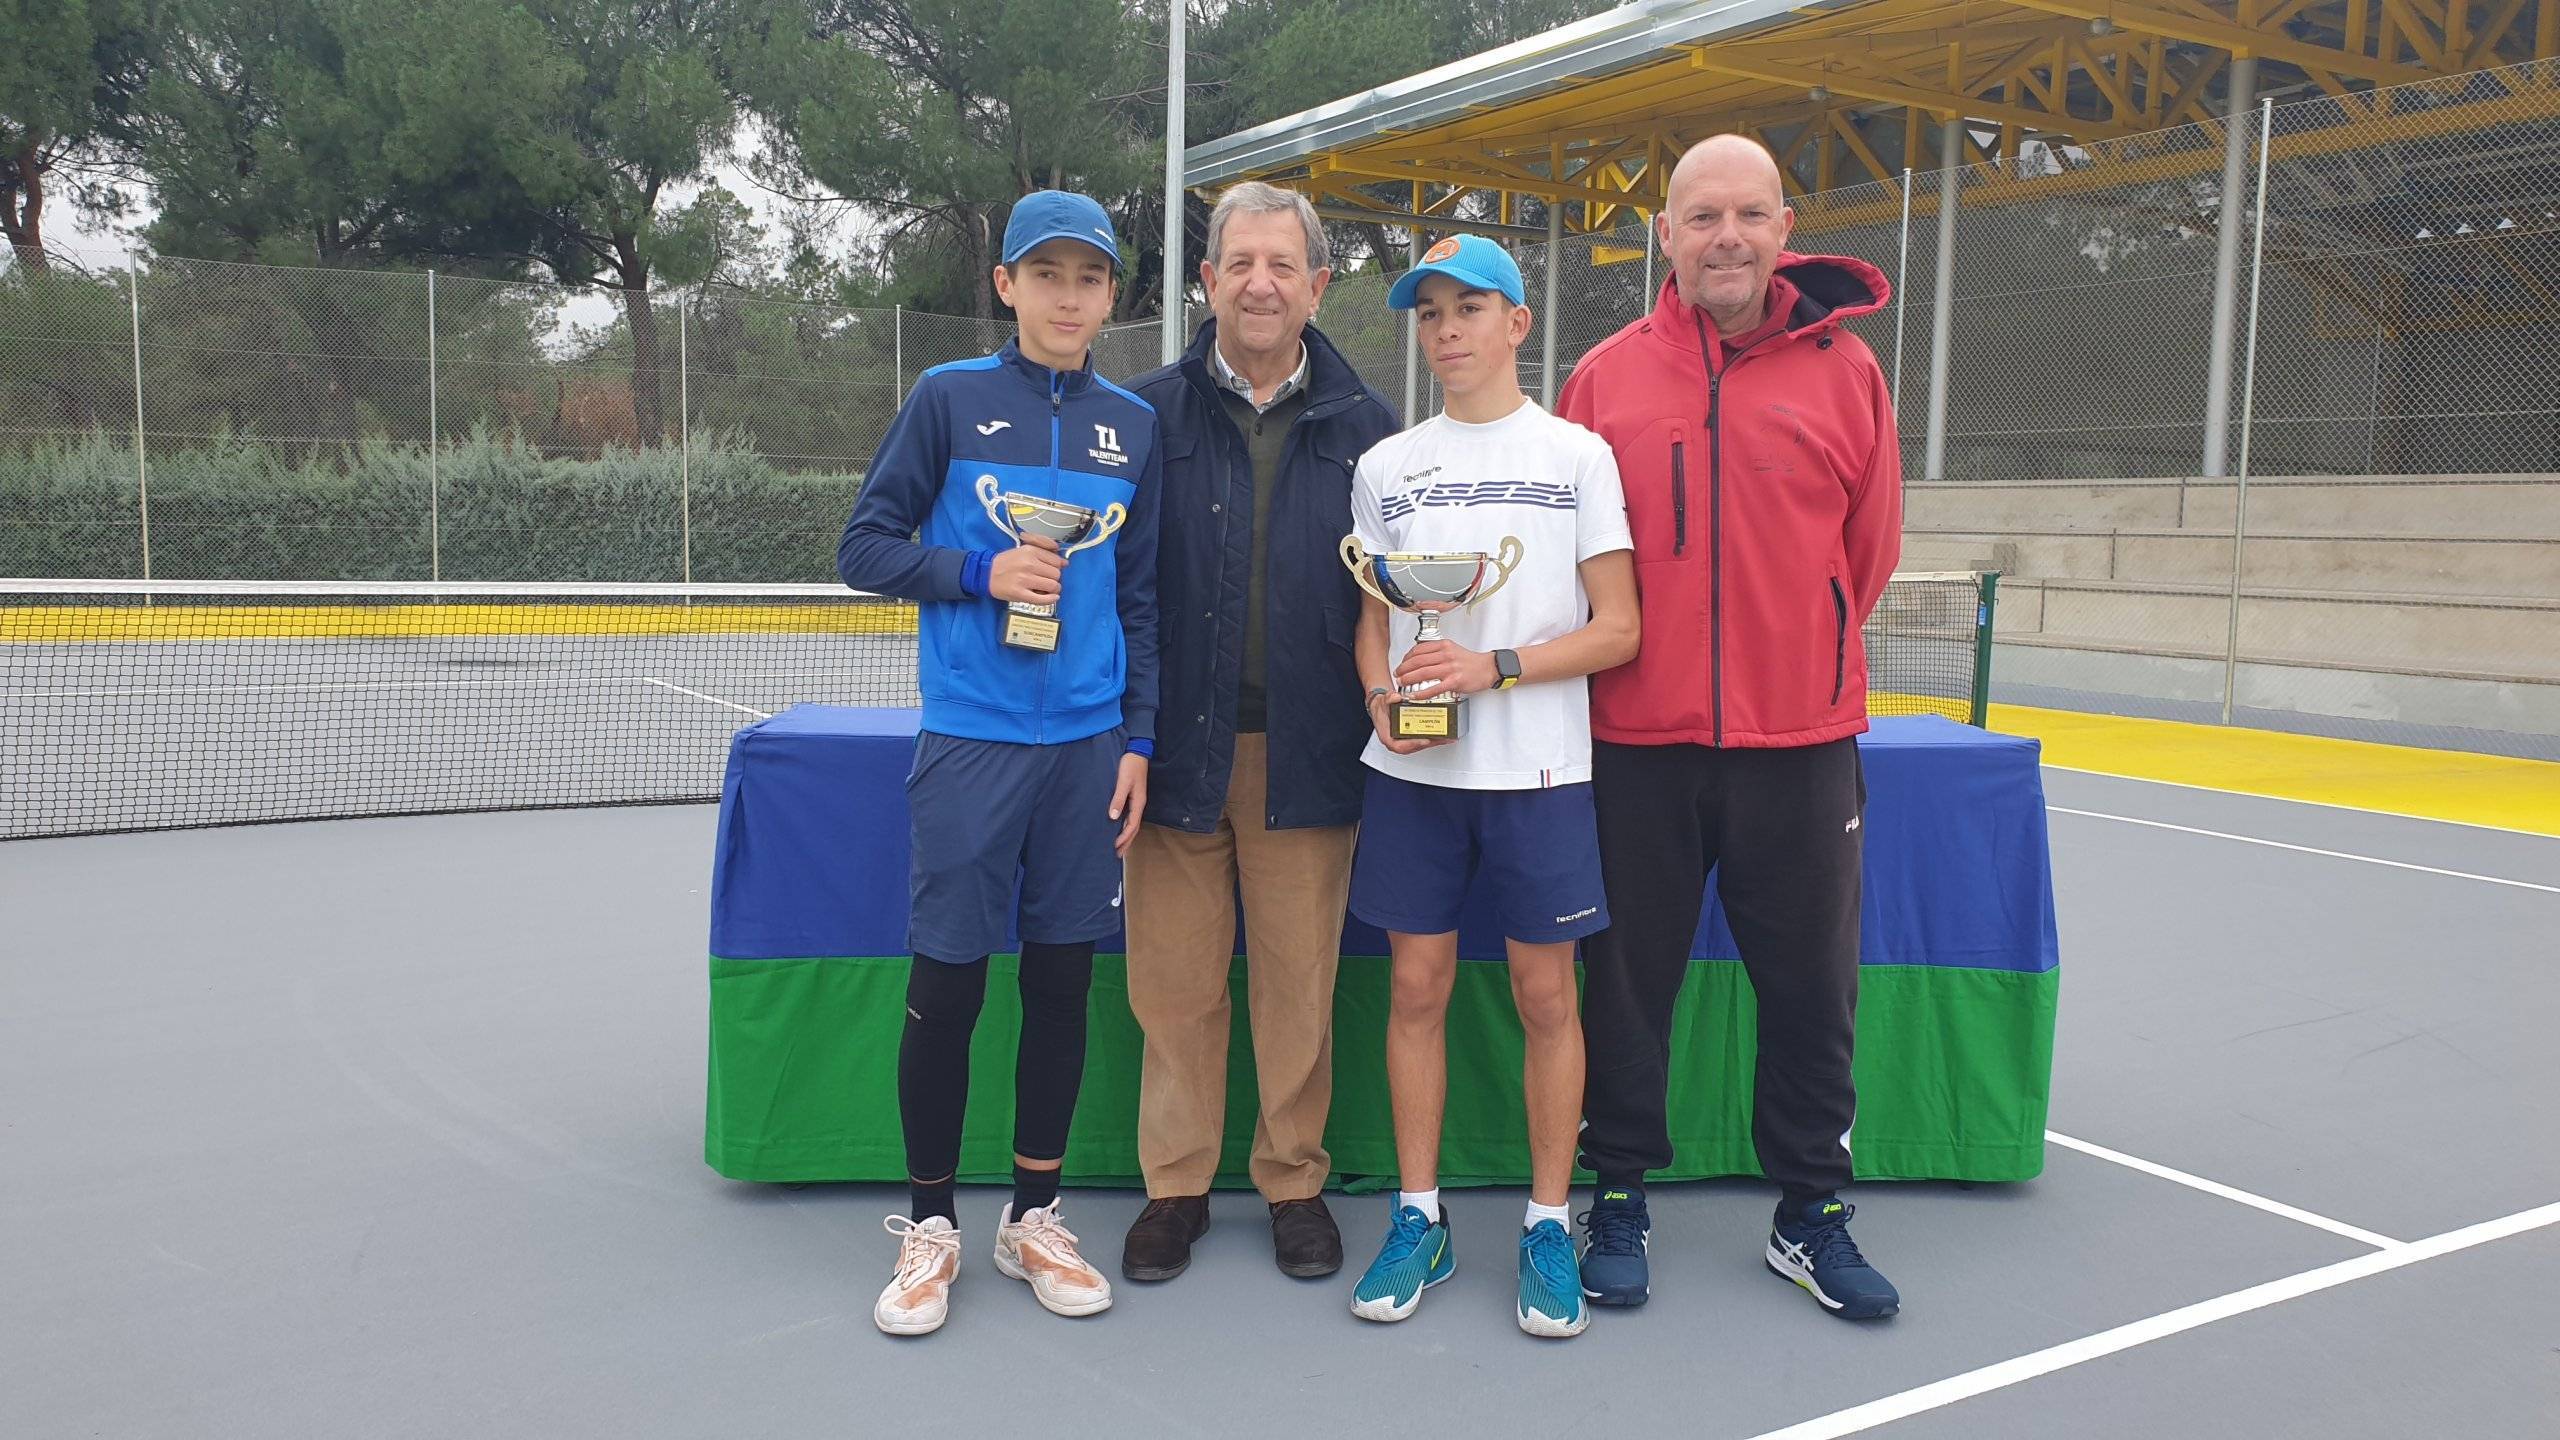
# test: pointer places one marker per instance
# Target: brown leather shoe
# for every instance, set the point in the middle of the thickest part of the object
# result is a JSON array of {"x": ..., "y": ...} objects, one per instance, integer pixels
[
  {"x": 1160, "y": 1239},
  {"x": 1304, "y": 1240}
]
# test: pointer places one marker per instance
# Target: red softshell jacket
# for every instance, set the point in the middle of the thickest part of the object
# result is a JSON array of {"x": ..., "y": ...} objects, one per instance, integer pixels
[{"x": 1763, "y": 480}]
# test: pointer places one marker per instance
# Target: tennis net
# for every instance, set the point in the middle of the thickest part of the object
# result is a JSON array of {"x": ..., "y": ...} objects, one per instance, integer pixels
[{"x": 145, "y": 705}]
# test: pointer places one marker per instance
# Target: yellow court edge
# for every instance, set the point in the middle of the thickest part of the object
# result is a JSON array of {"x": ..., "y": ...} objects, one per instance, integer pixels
[
  {"x": 80, "y": 625},
  {"x": 2455, "y": 785}
]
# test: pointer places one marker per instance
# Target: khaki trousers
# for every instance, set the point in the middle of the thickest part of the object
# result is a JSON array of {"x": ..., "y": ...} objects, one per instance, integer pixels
[{"x": 1181, "y": 933}]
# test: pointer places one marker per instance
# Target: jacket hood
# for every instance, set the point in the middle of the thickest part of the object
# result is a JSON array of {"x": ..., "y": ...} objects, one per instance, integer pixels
[{"x": 1828, "y": 289}]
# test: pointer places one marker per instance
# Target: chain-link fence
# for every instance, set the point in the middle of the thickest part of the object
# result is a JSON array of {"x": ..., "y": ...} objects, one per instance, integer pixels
[
  {"x": 2386, "y": 375},
  {"x": 2365, "y": 543}
]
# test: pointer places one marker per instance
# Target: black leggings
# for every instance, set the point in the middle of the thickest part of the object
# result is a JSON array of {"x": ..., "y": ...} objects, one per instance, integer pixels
[{"x": 943, "y": 1000}]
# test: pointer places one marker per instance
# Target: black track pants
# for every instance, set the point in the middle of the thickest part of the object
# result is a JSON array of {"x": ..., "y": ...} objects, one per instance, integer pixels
[{"x": 1782, "y": 830}]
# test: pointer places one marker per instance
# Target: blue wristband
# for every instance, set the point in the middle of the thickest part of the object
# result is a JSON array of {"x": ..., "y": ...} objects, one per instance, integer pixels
[
  {"x": 975, "y": 570},
  {"x": 1139, "y": 745}
]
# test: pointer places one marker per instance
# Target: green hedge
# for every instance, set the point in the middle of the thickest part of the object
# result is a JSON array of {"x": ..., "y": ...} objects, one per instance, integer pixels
[{"x": 230, "y": 509}]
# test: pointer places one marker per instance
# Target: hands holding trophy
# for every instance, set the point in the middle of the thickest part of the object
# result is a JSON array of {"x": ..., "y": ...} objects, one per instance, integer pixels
[
  {"x": 1429, "y": 585},
  {"x": 1030, "y": 625}
]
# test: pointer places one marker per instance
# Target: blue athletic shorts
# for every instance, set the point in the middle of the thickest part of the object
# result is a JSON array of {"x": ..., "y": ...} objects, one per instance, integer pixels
[
  {"x": 1421, "y": 846},
  {"x": 988, "y": 814}
]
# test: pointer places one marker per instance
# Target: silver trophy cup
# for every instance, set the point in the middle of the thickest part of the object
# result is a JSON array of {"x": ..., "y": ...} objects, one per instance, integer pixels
[
  {"x": 1429, "y": 585},
  {"x": 1035, "y": 627}
]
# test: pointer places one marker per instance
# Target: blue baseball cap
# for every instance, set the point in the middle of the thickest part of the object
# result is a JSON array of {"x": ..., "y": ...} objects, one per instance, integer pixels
[
  {"x": 1472, "y": 261},
  {"x": 1046, "y": 215}
]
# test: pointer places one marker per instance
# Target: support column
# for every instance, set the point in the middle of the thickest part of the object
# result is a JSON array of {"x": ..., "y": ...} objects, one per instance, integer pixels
[
  {"x": 1901, "y": 289},
  {"x": 1174, "y": 135},
  {"x": 1942, "y": 304},
  {"x": 1412, "y": 327},
  {"x": 2226, "y": 270},
  {"x": 1547, "y": 306}
]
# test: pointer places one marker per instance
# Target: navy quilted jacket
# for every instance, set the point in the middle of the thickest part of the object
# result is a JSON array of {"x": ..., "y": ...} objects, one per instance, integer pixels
[{"x": 1204, "y": 556}]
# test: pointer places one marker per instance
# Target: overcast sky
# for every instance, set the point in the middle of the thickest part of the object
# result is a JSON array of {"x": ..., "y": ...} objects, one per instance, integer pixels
[{"x": 99, "y": 244}]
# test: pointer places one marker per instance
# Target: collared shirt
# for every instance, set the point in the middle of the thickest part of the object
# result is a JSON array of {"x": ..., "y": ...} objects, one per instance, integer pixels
[{"x": 1228, "y": 377}]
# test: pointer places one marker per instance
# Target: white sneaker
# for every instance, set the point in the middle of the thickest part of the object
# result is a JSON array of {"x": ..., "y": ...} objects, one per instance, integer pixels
[
  {"x": 918, "y": 1298},
  {"x": 1041, "y": 1249}
]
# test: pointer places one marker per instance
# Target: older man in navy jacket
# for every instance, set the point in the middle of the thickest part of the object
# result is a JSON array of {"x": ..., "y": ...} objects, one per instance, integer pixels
[{"x": 1256, "y": 782}]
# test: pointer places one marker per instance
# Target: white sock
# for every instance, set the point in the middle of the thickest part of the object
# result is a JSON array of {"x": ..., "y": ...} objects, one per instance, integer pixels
[
  {"x": 1557, "y": 1213},
  {"x": 1426, "y": 1201}
]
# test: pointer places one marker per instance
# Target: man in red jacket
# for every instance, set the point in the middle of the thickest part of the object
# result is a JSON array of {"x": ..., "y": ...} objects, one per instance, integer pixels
[{"x": 1763, "y": 482}]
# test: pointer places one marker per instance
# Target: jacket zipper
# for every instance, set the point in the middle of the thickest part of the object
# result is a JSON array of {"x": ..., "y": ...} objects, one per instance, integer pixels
[
  {"x": 1840, "y": 641},
  {"x": 1226, "y": 519},
  {"x": 1057, "y": 423},
  {"x": 1715, "y": 517}
]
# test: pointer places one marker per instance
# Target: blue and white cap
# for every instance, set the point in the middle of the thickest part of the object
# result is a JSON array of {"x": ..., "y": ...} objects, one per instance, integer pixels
[
  {"x": 1046, "y": 215},
  {"x": 1472, "y": 261}
]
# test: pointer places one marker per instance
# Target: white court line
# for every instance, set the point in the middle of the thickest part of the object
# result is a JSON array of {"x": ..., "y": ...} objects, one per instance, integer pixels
[
  {"x": 2308, "y": 850},
  {"x": 2216, "y": 1187},
  {"x": 2298, "y": 800},
  {"x": 698, "y": 695},
  {"x": 2006, "y": 1373}
]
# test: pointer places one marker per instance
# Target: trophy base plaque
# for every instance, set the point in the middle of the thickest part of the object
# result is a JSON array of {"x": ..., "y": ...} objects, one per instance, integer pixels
[
  {"x": 1030, "y": 632},
  {"x": 1426, "y": 719}
]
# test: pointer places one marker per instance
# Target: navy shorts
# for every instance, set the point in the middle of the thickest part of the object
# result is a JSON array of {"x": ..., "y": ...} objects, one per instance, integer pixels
[
  {"x": 1421, "y": 846},
  {"x": 987, "y": 815}
]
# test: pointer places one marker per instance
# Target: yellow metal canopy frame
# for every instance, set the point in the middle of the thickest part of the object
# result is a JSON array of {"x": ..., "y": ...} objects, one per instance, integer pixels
[{"x": 1850, "y": 94}]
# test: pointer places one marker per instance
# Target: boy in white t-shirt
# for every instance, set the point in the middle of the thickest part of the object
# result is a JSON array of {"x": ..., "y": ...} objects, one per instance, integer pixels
[{"x": 1510, "y": 800}]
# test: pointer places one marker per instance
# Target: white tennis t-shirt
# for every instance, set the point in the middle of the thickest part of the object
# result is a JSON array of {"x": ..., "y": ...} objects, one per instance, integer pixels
[{"x": 1445, "y": 485}]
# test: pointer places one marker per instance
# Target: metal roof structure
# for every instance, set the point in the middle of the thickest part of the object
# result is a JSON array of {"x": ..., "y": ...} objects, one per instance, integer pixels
[{"x": 1843, "y": 91}]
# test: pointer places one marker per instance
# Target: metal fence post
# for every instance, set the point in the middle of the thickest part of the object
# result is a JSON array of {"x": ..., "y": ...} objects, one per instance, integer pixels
[
  {"x": 141, "y": 450},
  {"x": 684, "y": 439},
  {"x": 2248, "y": 416},
  {"x": 898, "y": 352},
  {"x": 435, "y": 432}
]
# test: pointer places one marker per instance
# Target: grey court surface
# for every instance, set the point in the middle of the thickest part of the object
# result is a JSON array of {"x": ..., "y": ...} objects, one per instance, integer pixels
[{"x": 393, "y": 1128}]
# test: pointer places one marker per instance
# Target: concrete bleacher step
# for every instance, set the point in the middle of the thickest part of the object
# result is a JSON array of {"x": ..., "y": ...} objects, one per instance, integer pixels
[
  {"x": 2505, "y": 638},
  {"x": 2431, "y": 565},
  {"x": 2358, "y": 505}
]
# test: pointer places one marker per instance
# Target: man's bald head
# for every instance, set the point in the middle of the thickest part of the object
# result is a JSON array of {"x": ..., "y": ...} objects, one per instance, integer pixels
[
  {"x": 1724, "y": 220},
  {"x": 1727, "y": 158}
]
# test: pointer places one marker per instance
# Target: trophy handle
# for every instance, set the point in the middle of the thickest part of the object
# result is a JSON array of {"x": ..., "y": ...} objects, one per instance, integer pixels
[
  {"x": 1355, "y": 558},
  {"x": 1503, "y": 563},
  {"x": 1113, "y": 517},
  {"x": 991, "y": 495}
]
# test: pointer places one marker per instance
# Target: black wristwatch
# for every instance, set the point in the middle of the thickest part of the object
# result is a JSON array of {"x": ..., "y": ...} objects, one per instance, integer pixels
[{"x": 1506, "y": 663}]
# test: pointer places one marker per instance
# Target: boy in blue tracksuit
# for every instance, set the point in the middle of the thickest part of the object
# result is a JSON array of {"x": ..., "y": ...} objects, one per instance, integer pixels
[{"x": 1031, "y": 765}]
